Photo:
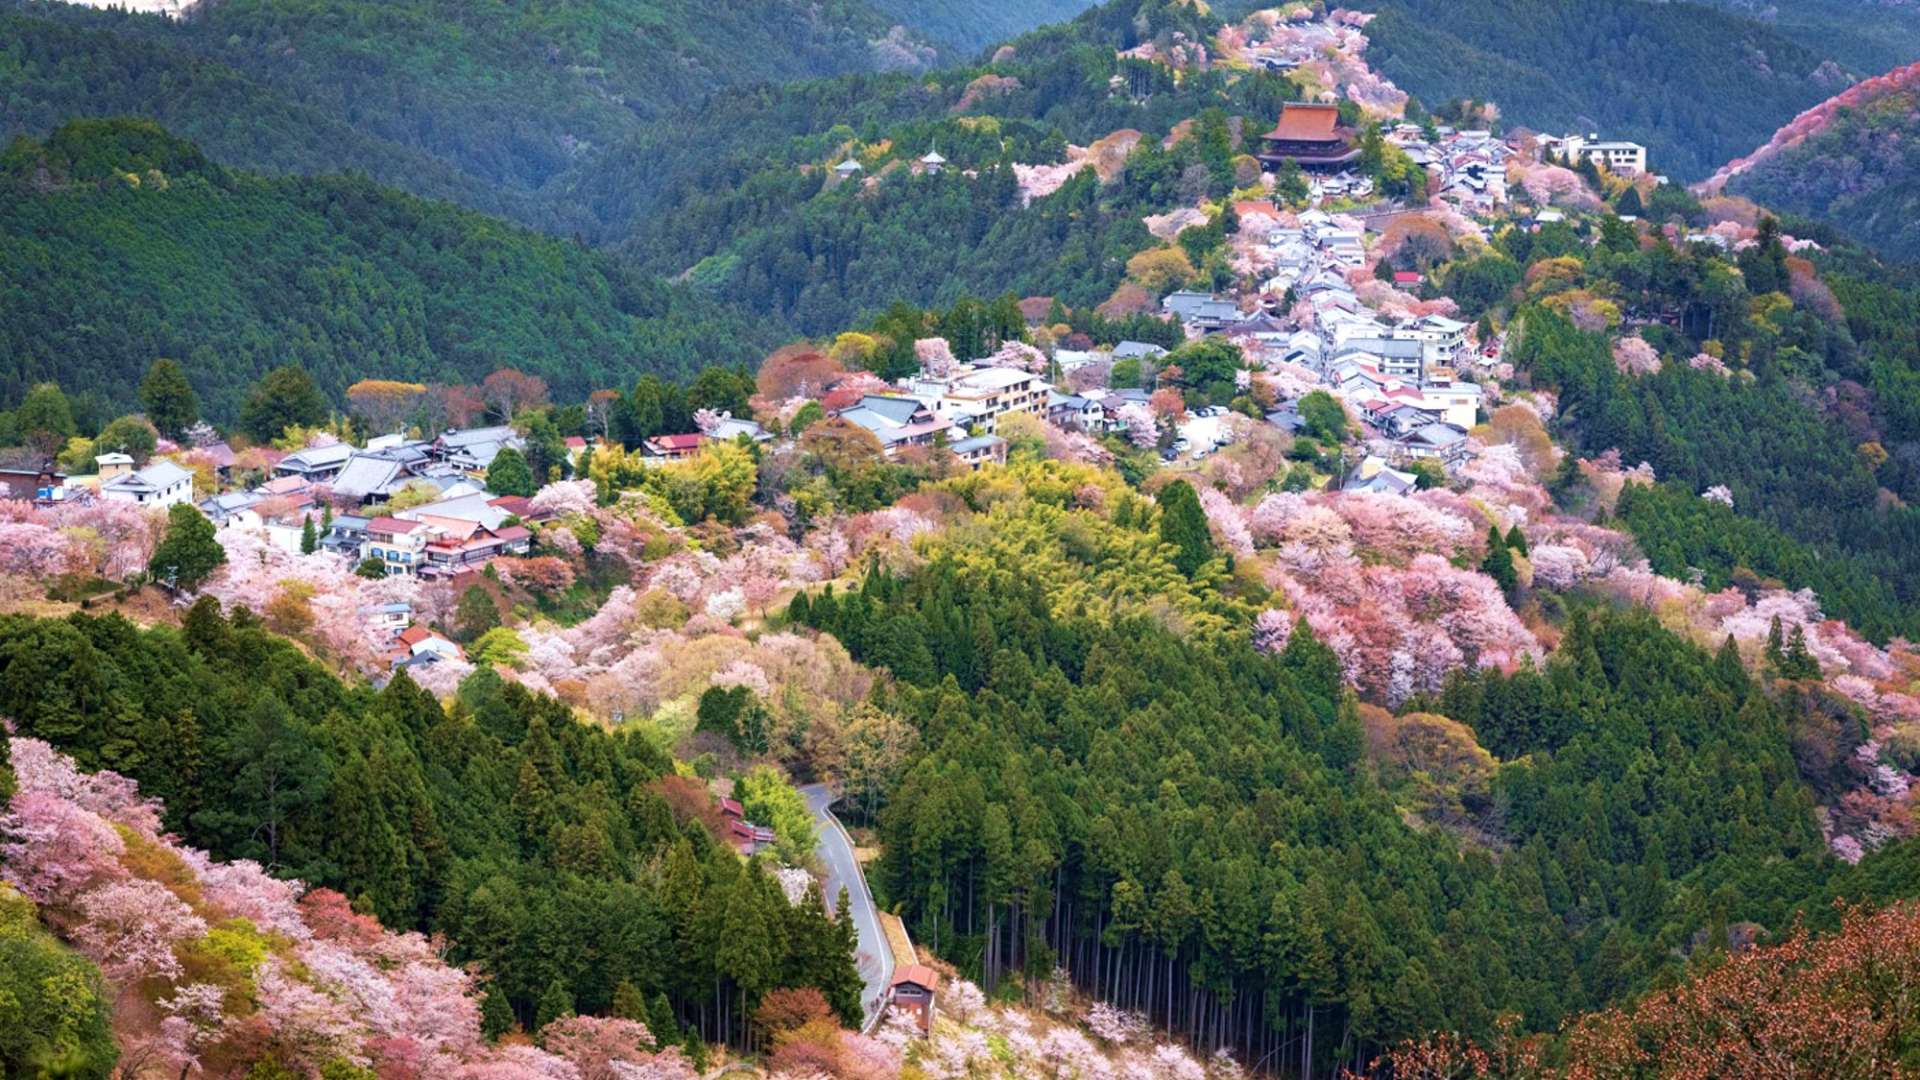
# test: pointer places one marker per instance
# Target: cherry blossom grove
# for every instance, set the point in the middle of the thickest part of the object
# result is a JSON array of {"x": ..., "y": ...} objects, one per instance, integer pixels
[{"x": 333, "y": 986}]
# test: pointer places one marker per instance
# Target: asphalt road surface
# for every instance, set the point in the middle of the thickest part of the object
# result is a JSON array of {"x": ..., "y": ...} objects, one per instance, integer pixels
[{"x": 874, "y": 959}]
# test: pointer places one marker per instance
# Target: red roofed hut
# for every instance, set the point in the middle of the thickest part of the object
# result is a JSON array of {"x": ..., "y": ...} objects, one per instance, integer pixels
[{"x": 912, "y": 992}]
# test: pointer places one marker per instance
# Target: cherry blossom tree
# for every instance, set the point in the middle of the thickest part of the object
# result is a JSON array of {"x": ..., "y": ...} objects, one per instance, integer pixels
[
  {"x": 1142, "y": 427},
  {"x": 131, "y": 928},
  {"x": 935, "y": 357}
]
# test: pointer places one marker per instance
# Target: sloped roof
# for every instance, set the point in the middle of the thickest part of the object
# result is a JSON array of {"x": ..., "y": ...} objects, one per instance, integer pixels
[
  {"x": 918, "y": 974},
  {"x": 1306, "y": 123}
]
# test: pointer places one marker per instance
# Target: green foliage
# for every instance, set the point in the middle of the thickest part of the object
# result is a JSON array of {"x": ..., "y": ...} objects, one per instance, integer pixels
[
  {"x": 476, "y": 613},
  {"x": 1695, "y": 98},
  {"x": 54, "y": 1011},
  {"x": 508, "y": 474},
  {"x": 309, "y": 540},
  {"x": 1498, "y": 563},
  {"x": 168, "y": 399},
  {"x": 541, "y": 847},
  {"x": 283, "y": 398},
  {"x": 1855, "y": 172},
  {"x": 236, "y": 276},
  {"x": 45, "y": 417},
  {"x": 1807, "y": 504},
  {"x": 1323, "y": 418},
  {"x": 130, "y": 435},
  {"x": 768, "y": 798},
  {"x": 1123, "y": 799},
  {"x": 188, "y": 552},
  {"x": 1183, "y": 525},
  {"x": 483, "y": 104}
]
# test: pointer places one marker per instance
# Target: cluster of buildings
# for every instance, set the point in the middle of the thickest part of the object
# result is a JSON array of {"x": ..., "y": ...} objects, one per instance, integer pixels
[
  {"x": 1465, "y": 168},
  {"x": 960, "y": 410},
  {"x": 460, "y": 525}
]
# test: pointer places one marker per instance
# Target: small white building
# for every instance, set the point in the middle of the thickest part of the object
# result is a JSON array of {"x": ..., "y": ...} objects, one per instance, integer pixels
[{"x": 160, "y": 484}]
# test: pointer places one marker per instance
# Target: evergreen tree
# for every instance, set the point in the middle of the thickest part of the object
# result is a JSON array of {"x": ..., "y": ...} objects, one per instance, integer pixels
[
  {"x": 476, "y": 613},
  {"x": 1498, "y": 563},
  {"x": 189, "y": 551},
  {"x": 508, "y": 474},
  {"x": 168, "y": 398},
  {"x": 285, "y": 397},
  {"x": 1184, "y": 526},
  {"x": 556, "y": 1003},
  {"x": 309, "y": 542},
  {"x": 1517, "y": 540}
]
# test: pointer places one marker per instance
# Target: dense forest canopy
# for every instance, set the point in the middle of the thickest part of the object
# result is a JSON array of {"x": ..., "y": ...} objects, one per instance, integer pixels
[
  {"x": 554, "y": 855},
  {"x": 129, "y": 245},
  {"x": 1196, "y": 830}
]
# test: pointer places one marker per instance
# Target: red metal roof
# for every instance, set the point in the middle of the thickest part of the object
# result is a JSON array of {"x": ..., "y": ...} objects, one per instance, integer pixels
[
  {"x": 918, "y": 974},
  {"x": 678, "y": 442},
  {"x": 391, "y": 525},
  {"x": 1306, "y": 123}
]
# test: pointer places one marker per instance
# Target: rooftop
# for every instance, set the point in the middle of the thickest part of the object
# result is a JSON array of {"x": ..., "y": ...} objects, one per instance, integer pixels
[{"x": 1307, "y": 123}]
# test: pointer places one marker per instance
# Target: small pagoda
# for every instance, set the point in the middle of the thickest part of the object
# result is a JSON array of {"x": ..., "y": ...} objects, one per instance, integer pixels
[{"x": 1311, "y": 137}]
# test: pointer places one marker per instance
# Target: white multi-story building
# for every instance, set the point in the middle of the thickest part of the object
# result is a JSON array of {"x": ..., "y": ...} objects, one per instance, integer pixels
[
  {"x": 979, "y": 397},
  {"x": 1616, "y": 156}
]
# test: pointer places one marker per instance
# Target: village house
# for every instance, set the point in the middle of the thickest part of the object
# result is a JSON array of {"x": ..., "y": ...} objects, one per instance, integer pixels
[
  {"x": 160, "y": 484},
  {"x": 109, "y": 465},
  {"x": 979, "y": 396},
  {"x": 900, "y": 422},
  {"x": 1200, "y": 312},
  {"x": 672, "y": 447},
  {"x": 315, "y": 464},
  {"x": 473, "y": 449},
  {"x": 746, "y": 837},
  {"x": 42, "y": 486},
  {"x": 1435, "y": 441},
  {"x": 1616, "y": 156},
  {"x": 978, "y": 450}
]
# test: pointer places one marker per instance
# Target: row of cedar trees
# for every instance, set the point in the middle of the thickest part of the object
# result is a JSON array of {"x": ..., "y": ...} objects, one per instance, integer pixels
[
  {"x": 1191, "y": 829},
  {"x": 564, "y": 861}
]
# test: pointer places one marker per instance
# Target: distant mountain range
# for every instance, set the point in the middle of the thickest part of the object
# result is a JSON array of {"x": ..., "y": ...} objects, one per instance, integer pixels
[{"x": 1853, "y": 162}]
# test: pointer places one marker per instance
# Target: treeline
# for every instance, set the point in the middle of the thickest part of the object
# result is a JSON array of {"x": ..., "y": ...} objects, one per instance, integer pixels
[
  {"x": 568, "y": 863},
  {"x": 127, "y": 245},
  {"x": 1193, "y": 828}
]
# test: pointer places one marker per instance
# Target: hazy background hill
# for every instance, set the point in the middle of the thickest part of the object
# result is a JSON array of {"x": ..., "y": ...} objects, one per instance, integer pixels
[{"x": 501, "y": 96}]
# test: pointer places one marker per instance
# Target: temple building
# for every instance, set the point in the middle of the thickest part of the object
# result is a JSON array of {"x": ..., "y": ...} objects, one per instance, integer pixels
[{"x": 1310, "y": 136}]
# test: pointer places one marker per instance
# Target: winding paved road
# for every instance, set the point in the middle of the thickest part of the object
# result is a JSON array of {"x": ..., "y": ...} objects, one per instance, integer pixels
[{"x": 875, "y": 959}]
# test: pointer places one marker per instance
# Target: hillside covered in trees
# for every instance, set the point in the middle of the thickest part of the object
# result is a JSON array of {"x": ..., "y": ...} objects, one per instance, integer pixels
[
  {"x": 1697, "y": 86},
  {"x": 1848, "y": 162},
  {"x": 485, "y": 101},
  {"x": 127, "y": 244}
]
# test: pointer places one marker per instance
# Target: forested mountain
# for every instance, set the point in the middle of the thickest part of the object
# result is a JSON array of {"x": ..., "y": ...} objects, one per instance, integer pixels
[
  {"x": 505, "y": 96},
  {"x": 1865, "y": 35},
  {"x": 1695, "y": 85},
  {"x": 126, "y": 244},
  {"x": 1849, "y": 162},
  {"x": 1197, "y": 830},
  {"x": 975, "y": 24}
]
